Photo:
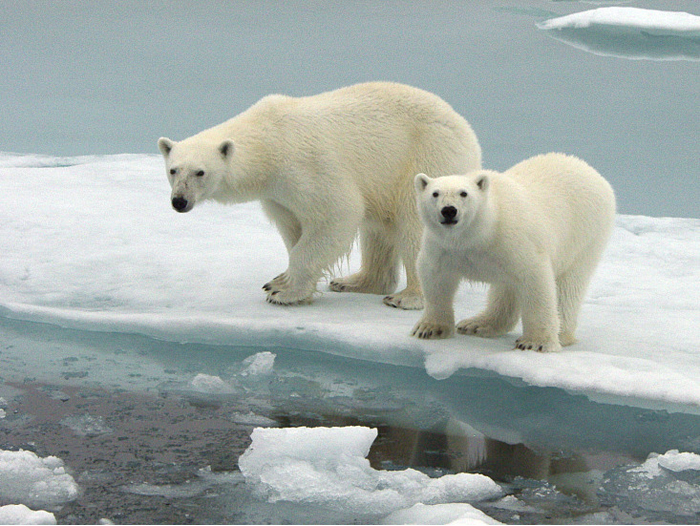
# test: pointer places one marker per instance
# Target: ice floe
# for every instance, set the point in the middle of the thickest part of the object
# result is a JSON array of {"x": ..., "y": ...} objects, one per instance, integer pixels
[{"x": 630, "y": 32}]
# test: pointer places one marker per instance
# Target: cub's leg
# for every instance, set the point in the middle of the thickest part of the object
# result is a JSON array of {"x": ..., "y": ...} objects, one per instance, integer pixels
[
  {"x": 439, "y": 285},
  {"x": 571, "y": 291},
  {"x": 500, "y": 316},
  {"x": 379, "y": 269},
  {"x": 538, "y": 300}
]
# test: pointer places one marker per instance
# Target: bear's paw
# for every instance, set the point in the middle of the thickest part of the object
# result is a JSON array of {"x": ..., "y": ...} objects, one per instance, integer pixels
[
  {"x": 426, "y": 330},
  {"x": 404, "y": 300},
  {"x": 478, "y": 326},
  {"x": 537, "y": 345}
]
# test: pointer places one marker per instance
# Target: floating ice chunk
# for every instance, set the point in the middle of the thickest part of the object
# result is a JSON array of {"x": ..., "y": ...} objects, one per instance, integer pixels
[
  {"x": 675, "y": 461},
  {"x": 671, "y": 460},
  {"x": 87, "y": 425},
  {"x": 252, "y": 419},
  {"x": 664, "y": 484},
  {"x": 630, "y": 32},
  {"x": 328, "y": 467},
  {"x": 20, "y": 514},
  {"x": 210, "y": 384},
  {"x": 33, "y": 481},
  {"x": 191, "y": 488},
  {"x": 259, "y": 364},
  {"x": 458, "y": 513}
]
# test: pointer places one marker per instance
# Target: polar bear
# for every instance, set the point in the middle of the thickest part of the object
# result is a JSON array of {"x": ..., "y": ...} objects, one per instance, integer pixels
[
  {"x": 535, "y": 233},
  {"x": 324, "y": 167}
]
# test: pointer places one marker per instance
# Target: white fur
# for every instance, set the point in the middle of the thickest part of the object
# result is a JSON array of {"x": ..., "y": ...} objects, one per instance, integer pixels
[
  {"x": 535, "y": 233},
  {"x": 325, "y": 167}
]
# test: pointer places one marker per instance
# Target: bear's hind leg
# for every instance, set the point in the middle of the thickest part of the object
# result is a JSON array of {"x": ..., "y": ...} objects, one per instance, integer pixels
[
  {"x": 379, "y": 269},
  {"x": 571, "y": 291},
  {"x": 500, "y": 316}
]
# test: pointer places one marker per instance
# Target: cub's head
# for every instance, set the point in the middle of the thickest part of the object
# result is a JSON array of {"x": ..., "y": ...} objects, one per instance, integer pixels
[
  {"x": 195, "y": 170},
  {"x": 449, "y": 204}
]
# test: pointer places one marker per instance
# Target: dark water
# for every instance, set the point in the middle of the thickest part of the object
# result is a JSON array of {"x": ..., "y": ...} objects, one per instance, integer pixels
[
  {"x": 105, "y": 77},
  {"x": 137, "y": 452}
]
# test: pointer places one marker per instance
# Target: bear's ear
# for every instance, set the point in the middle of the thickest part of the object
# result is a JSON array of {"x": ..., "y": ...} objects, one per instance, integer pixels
[
  {"x": 482, "y": 182},
  {"x": 226, "y": 148},
  {"x": 421, "y": 181},
  {"x": 165, "y": 145}
]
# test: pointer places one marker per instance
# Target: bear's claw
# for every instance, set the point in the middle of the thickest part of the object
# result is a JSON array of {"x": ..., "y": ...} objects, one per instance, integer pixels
[{"x": 537, "y": 345}]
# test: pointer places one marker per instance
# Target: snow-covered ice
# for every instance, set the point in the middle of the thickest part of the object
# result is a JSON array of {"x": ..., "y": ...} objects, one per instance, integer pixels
[
  {"x": 328, "y": 467},
  {"x": 630, "y": 32},
  {"x": 459, "y": 513},
  {"x": 21, "y": 514},
  {"x": 34, "y": 481},
  {"x": 91, "y": 243}
]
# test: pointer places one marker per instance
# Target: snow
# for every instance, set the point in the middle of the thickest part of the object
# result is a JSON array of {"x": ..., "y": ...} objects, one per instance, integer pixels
[
  {"x": 439, "y": 514},
  {"x": 91, "y": 243},
  {"x": 20, "y": 514},
  {"x": 630, "y": 32},
  {"x": 327, "y": 466},
  {"x": 33, "y": 481}
]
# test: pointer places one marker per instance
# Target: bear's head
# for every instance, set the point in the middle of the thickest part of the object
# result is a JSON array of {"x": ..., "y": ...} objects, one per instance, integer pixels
[
  {"x": 449, "y": 204},
  {"x": 195, "y": 170}
]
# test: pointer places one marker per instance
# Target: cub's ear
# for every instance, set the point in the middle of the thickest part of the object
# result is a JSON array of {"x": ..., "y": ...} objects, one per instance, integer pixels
[
  {"x": 165, "y": 145},
  {"x": 226, "y": 148},
  {"x": 482, "y": 182},
  {"x": 421, "y": 181}
]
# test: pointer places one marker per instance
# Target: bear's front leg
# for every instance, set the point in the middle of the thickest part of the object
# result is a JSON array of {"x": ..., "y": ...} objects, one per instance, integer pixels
[
  {"x": 439, "y": 287},
  {"x": 538, "y": 298},
  {"x": 322, "y": 242},
  {"x": 499, "y": 317}
]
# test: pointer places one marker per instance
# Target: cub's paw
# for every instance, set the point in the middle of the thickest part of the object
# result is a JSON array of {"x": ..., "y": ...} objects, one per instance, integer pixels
[
  {"x": 405, "y": 301},
  {"x": 538, "y": 345},
  {"x": 432, "y": 331},
  {"x": 478, "y": 326}
]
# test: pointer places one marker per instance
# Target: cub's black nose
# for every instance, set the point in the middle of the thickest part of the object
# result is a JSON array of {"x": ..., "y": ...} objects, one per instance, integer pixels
[
  {"x": 179, "y": 203},
  {"x": 448, "y": 212}
]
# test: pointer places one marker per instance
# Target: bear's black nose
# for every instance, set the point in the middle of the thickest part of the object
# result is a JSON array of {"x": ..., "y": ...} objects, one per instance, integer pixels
[
  {"x": 448, "y": 212},
  {"x": 179, "y": 203}
]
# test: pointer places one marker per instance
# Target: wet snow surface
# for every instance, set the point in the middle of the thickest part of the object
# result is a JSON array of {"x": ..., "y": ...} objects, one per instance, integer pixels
[{"x": 145, "y": 379}]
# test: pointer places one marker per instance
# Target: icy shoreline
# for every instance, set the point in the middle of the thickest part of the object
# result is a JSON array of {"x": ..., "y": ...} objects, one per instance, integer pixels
[{"x": 92, "y": 244}]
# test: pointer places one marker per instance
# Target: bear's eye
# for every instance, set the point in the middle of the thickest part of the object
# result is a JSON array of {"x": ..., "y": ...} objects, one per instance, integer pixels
[
  {"x": 436, "y": 194},
  {"x": 172, "y": 171},
  {"x": 200, "y": 173},
  {"x": 463, "y": 193}
]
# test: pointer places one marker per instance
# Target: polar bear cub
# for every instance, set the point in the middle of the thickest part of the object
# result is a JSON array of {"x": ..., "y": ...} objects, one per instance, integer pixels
[
  {"x": 325, "y": 167},
  {"x": 535, "y": 233}
]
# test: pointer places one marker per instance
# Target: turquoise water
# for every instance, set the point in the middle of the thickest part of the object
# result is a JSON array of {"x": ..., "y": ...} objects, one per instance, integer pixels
[
  {"x": 111, "y": 77},
  {"x": 135, "y": 441}
]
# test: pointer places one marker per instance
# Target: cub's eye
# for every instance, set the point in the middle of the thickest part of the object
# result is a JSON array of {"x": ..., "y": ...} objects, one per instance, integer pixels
[
  {"x": 436, "y": 194},
  {"x": 200, "y": 173},
  {"x": 463, "y": 193},
  {"x": 172, "y": 171}
]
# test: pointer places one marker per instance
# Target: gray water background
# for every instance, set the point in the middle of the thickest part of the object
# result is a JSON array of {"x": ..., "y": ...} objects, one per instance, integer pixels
[{"x": 105, "y": 77}]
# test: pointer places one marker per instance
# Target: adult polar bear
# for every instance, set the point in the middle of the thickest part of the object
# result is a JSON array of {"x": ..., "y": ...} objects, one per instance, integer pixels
[
  {"x": 325, "y": 166},
  {"x": 535, "y": 233}
]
